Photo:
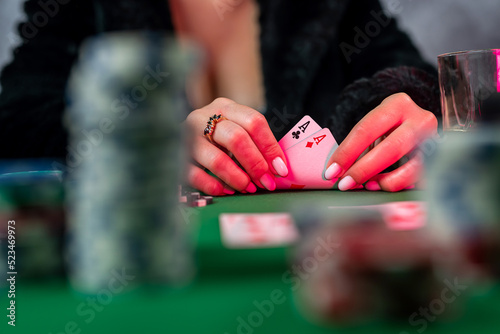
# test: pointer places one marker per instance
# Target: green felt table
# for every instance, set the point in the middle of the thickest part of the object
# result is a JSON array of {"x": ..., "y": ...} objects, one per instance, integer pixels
[{"x": 228, "y": 285}]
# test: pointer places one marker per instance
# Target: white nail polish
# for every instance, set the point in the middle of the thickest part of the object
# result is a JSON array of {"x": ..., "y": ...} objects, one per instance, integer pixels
[
  {"x": 280, "y": 167},
  {"x": 268, "y": 182},
  {"x": 333, "y": 171},
  {"x": 347, "y": 183}
]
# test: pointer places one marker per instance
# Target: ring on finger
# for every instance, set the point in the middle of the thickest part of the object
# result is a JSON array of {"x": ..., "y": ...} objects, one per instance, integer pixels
[{"x": 210, "y": 128}]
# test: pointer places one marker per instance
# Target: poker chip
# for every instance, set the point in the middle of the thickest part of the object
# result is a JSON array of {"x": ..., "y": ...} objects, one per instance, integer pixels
[
  {"x": 463, "y": 191},
  {"x": 193, "y": 198},
  {"x": 199, "y": 202},
  {"x": 33, "y": 199},
  {"x": 350, "y": 265},
  {"x": 126, "y": 149}
]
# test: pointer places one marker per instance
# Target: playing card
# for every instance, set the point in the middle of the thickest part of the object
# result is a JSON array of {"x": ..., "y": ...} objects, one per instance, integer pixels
[
  {"x": 307, "y": 162},
  {"x": 257, "y": 230},
  {"x": 399, "y": 216},
  {"x": 303, "y": 129},
  {"x": 403, "y": 216}
]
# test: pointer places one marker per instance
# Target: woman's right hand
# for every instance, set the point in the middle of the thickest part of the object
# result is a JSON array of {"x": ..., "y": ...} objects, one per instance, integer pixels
[{"x": 246, "y": 135}]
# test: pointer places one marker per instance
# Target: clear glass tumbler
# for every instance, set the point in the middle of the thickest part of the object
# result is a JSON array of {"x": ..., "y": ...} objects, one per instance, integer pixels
[{"x": 470, "y": 88}]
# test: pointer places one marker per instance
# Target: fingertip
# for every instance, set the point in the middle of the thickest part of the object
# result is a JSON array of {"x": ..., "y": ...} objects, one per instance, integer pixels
[
  {"x": 251, "y": 188},
  {"x": 258, "y": 184},
  {"x": 347, "y": 183},
  {"x": 333, "y": 171},
  {"x": 268, "y": 182},
  {"x": 228, "y": 191},
  {"x": 372, "y": 186},
  {"x": 280, "y": 167}
]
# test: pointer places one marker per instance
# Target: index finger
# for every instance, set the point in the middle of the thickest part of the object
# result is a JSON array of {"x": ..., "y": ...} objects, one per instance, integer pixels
[{"x": 378, "y": 122}]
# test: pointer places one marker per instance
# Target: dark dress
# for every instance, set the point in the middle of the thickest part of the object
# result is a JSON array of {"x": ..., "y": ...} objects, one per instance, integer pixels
[{"x": 334, "y": 60}]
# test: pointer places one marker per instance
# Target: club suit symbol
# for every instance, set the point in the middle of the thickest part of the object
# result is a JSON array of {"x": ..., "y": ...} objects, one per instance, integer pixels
[{"x": 296, "y": 134}]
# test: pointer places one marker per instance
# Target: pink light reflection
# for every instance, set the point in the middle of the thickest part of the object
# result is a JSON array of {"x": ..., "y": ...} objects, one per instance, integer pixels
[{"x": 497, "y": 53}]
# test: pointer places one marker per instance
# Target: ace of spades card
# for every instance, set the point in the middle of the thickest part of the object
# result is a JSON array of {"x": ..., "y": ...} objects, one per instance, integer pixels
[{"x": 307, "y": 148}]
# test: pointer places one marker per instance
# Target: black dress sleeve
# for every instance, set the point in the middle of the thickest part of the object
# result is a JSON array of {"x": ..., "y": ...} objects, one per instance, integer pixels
[
  {"x": 380, "y": 60},
  {"x": 32, "y": 101},
  {"x": 33, "y": 85}
]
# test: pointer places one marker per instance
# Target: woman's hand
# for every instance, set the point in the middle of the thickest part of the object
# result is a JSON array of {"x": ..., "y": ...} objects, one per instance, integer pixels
[
  {"x": 405, "y": 126},
  {"x": 244, "y": 133}
]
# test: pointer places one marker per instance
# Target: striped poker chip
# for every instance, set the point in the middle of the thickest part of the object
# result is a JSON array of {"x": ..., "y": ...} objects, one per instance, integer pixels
[
  {"x": 191, "y": 197},
  {"x": 199, "y": 202},
  {"x": 123, "y": 190},
  {"x": 463, "y": 193}
]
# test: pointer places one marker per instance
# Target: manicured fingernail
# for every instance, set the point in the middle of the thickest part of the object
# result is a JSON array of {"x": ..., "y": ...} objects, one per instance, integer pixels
[
  {"x": 251, "y": 188},
  {"x": 332, "y": 171},
  {"x": 410, "y": 187},
  {"x": 268, "y": 182},
  {"x": 372, "y": 186},
  {"x": 228, "y": 191},
  {"x": 347, "y": 183},
  {"x": 280, "y": 167}
]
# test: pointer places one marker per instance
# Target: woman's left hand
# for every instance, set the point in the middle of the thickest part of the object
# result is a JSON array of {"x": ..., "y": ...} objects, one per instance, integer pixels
[{"x": 405, "y": 125}]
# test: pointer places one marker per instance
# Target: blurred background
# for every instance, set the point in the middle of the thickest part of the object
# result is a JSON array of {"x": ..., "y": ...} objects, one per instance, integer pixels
[{"x": 436, "y": 26}]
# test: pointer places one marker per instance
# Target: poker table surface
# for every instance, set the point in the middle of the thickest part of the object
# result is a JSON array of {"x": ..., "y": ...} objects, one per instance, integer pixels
[{"x": 228, "y": 285}]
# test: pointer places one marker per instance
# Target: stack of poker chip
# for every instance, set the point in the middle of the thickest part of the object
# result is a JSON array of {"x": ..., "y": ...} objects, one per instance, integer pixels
[
  {"x": 31, "y": 199},
  {"x": 194, "y": 198},
  {"x": 350, "y": 266},
  {"x": 464, "y": 196},
  {"x": 126, "y": 105}
]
